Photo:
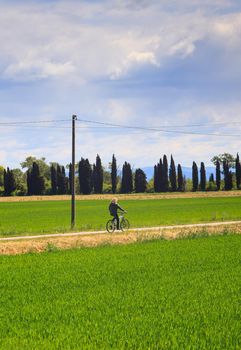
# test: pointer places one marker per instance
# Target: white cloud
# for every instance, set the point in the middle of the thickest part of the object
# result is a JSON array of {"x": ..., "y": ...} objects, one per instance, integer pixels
[
  {"x": 119, "y": 111},
  {"x": 32, "y": 70},
  {"x": 227, "y": 30},
  {"x": 66, "y": 43},
  {"x": 184, "y": 48},
  {"x": 87, "y": 41},
  {"x": 133, "y": 60}
]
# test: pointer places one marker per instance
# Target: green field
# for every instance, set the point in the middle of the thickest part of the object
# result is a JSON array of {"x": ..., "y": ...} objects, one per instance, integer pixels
[
  {"x": 182, "y": 294},
  {"x": 54, "y": 216}
]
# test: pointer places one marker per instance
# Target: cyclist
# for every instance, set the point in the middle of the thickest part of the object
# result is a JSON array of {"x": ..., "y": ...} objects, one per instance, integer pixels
[{"x": 113, "y": 207}]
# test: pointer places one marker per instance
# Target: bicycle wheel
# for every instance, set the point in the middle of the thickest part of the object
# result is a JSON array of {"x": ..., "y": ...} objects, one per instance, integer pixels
[
  {"x": 110, "y": 226},
  {"x": 124, "y": 225}
]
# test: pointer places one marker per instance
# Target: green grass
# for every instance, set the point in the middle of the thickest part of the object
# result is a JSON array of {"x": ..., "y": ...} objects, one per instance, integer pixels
[
  {"x": 182, "y": 294},
  {"x": 54, "y": 216}
]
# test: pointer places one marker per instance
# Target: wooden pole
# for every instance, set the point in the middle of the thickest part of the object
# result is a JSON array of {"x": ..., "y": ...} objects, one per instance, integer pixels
[{"x": 74, "y": 118}]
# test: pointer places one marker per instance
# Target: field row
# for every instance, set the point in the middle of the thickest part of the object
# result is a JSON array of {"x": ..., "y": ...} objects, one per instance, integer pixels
[
  {"x": 54, "y": 216},
  {"x": 182, "y": 294}
]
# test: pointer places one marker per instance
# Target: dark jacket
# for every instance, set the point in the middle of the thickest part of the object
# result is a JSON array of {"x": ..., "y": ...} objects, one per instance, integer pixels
[{"x": 113, "y": 209}]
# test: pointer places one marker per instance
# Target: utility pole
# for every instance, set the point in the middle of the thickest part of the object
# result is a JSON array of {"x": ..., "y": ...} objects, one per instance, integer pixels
[{"x": 74, "y": 118}]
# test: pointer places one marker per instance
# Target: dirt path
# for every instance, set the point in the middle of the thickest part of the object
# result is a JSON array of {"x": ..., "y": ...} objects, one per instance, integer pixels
[{"x": 40, "y": 243}]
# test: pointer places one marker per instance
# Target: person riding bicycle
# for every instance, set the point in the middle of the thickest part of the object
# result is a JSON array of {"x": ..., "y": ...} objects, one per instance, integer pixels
[{"x": 113, "y": 207}]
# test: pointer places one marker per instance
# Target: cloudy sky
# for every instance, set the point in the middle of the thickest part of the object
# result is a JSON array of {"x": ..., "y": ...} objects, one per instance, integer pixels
[{"x": 158, "y": 64}]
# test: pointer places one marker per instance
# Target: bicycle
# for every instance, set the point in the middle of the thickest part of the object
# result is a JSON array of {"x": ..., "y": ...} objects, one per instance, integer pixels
[{"x": 111, "y": 225}]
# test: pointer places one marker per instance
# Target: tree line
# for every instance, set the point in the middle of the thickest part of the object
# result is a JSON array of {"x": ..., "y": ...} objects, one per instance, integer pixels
[{"x": 39, "y": 178}]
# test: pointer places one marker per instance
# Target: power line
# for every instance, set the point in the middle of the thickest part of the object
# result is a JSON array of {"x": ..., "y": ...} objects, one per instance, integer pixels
[
  {"x": 107, "y": 126},
  {"x": 206, "y": 124},
  {"x": 34, "y": 122},
  {"x": 60, "y": 127},
  {"x": 117, "y": 125},
  {"x": 162, "y": 126},
  {"x": 134, "y": 129},
  {"x": 155, "y": 129}
]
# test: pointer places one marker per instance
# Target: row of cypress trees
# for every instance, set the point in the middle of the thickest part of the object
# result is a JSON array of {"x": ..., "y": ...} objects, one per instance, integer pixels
[
  {"x": 59, "y": 181},
  {"x": 161, "y": 181},
  {"x": 36, "y": 182},
  {"x": 177, "y": 182},
  {"x": 139, "y": 179},
  {"x": 91, "y": 177},
  {"x": 227, "y": 176}
]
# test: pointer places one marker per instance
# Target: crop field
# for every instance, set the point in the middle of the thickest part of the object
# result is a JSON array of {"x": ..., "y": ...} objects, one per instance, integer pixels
[
  {"x": 182, "y": 294},
  {"x": 20, "y": 218}
]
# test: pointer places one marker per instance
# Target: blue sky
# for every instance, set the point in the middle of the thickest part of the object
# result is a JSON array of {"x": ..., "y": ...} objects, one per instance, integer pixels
[{"x": 154, "y": 64}]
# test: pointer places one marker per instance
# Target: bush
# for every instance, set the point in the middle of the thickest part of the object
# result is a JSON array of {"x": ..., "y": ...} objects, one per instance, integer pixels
[
  {"x": 211, "y": 186},
  {"x": 107, "y": 188},
  {"x": 150, "y": 186}
]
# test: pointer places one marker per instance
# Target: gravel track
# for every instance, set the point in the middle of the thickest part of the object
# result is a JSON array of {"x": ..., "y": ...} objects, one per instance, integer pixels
[{"x": 141, "y": 229}]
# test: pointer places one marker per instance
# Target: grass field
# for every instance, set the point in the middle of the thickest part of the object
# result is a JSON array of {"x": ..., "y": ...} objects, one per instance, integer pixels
[
  {"x": 54, "y": 216},
  {"x": 182, "y": 294}
]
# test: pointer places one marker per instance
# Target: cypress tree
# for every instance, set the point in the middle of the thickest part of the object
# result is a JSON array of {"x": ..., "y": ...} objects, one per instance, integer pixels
[
  {"x": 29, "y": 183},
  {"x": 88, "y": 177},
  {"x": 126, "y": 181},
  {"x": 160, "y": 177},
  {"x": 34, "y": 177},
  {"x": 88, "y": 173},
  {"x": 85, "y": 176},
  {"x": 94, "y": 178},
  {"x": 98, "y": 176},
  {"x": 123, "y": 179},
  {"x": 113, "y": 174},
  {"x": 53, "y": 179},
  {"x": 228, "y": 181},
  {"x": 81, "y": 175},
  {"x": 140, "y": 181},
  {"x": 225, "y": 174},
  {"x": 194, "y": 177},
  {"x": 165, "y": 173},
  {"x": 129, "y": 178},
  {"x": 211, "y": 178},
  {"x": 238, "y": 171},
  {"x": 37, "y": 181},
  {"x": 9, "y": 182},
  {"x": 158, "y": 181},
  {"x": 5, "y": 182},
  {"x": 218, "y": 176},
  {"x": 202, "y": 177},
  {"x": 65, "y": 181},
  {"x": 180, "y": 180},
  {"x": 59, "y": 180},
  {"x": 172, "y": 175}
]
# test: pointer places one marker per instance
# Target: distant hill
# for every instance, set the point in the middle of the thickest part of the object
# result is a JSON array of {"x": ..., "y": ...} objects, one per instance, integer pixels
[{"x": 187, "y": 172}]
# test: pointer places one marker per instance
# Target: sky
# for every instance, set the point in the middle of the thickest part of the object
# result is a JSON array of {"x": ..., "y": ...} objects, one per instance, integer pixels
[{"x": 150, "y": 64}]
